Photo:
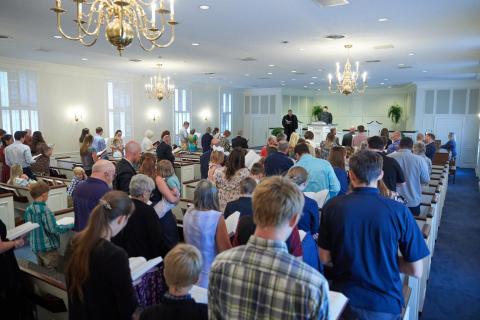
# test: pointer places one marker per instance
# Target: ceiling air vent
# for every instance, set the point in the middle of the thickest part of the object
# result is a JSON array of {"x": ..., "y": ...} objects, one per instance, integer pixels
[
  {"x": 43, "y": 50},
  {"x": 263, "y": 78},
  {"x": 135, "y": 60},
  {"x": 335, "y": 36},
  {"x": 331, "y": 3},
  {"x": 383, "y": 46},
  {"x": 4, "y": 36},
  {"x": 248, "y": 59},
  {"x": 209, "y": 73},
  {"x": 404, "y": 67},
  {"x": 372, "y": 61}
]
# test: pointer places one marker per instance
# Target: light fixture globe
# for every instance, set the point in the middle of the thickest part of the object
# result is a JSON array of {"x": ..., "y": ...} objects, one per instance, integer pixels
[{"x": 119, "y": 34}]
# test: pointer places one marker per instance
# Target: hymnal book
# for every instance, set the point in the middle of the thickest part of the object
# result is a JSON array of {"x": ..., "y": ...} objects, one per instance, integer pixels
[
  {"x": 37, "y": 156},
  {"x": 21, "y": 230},
  {"x": 100, "y": 153},
  {"x": 156, "y": 143},
  {"x": 302, "y": 234},
  {"x": 65, "y": 221},
  {"x": 139, "y": 266},
  {"x": 177, "y": 149},
  {"x": 232, "y": 222},
  {"x": 199, "y": 294}
]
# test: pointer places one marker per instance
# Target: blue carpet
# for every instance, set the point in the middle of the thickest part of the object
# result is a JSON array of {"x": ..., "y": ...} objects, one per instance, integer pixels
[{"x": 453, "y": 290}]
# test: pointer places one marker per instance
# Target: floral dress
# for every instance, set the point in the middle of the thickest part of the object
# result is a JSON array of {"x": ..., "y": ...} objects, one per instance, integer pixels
[{"x": 229, "y": 190}]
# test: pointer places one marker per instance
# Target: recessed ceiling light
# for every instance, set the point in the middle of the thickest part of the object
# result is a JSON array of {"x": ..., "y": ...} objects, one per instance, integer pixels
[
  {"x": 294, "y": 79},
  {"x": 57, "y": 37},
  {"x": 84, "y": 59},
  {"x": 411, "y": 54},
  {"x": 424, "y": 71},
  {"x": 389, "y": 87},
  {"x": 318, "y": 89},
  {"x": 314, "y": 77},
  {"x": 381, "y": 83},
  {"x": 135, "y": 60},
  {"x": 382, "y": 19},
  {"x": 269, "y": 73},
  {"x": 294, "y": 71},
  {"x": 386, "y": 79},
  {"x": 305, "y": 86},
  {"x": 204, "y": 7},
  {"x": 195, "y": 44},
  {"x": 401, "y": 64},
  {"x": 301, "y": 49},
  {"x": 271, "y": 65},
  {"x": 312, "y": 83},
  {"x": 4, "y": 36},
  {"x": 335, "y": 36},
  {"x": 284, "y": 42},
  {"x": 211, "y": 77},
  {"x": 247, "y": 75}
]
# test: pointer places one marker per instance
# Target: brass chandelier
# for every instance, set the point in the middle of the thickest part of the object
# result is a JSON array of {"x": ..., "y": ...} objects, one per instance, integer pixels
[
  {"x": 123, "y": 20},
  {"x": 347, "y": 80},
  {"x": 159, "y": 88}
]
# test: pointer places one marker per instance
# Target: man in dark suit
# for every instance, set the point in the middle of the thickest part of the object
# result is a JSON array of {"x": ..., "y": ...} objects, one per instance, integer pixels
[
  {"x": 205, "y": 159},
  {"x": 348, "y": 138},
  {"x": 289, "y": 123},
  {"x": 207, "y": 139},
  {"x": 239, "y": 141},
  {"x": 325, "y": 116},
  {"x": 244, "y": 203},
  {"x": 125, "y": 168},
  {"x": 430, "y": 148},
  {"x": 278, "y": 163},
  {"x": 164, "y": 149}
]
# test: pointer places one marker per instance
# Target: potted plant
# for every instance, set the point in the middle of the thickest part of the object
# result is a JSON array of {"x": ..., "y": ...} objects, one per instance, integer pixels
[
  {"x": 316, "y": 110},
  {"x": 395, "y": 113},
  {"x": 276, "y": 131}
]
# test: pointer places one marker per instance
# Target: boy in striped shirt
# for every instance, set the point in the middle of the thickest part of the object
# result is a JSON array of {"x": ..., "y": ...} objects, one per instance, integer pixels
[{"x": 44, "y": 240}]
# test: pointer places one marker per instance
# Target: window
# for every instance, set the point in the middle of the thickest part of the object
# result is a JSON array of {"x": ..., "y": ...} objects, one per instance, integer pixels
[
  {"x": 120, "y": 108},
  {"x": 226, "y": 112},
  {"x": 182, "y": 111},
  {"x": 18, "y": 100}
]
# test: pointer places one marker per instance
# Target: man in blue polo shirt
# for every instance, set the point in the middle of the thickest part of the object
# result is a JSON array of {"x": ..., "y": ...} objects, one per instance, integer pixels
[
  {"x": 361, "y": 233},
  {"x": 278, "y": 163}
]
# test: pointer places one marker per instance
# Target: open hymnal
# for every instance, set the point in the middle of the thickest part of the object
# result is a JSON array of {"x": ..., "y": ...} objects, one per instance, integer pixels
[
  {"x": 177, "y": 149},
  {"x": 65, "y": 221},
  {"x": 21, "y": 230},
  {"x": 37, "y": 156},
  {"x": 199, "y": 294},
  {"x": 156, "y": 143},
  {"x": 139, "y": 266},
  {"x": 100, "y": 153},
  {"x": 302, "y": 234},
  {"x": 232, "y": 222}
]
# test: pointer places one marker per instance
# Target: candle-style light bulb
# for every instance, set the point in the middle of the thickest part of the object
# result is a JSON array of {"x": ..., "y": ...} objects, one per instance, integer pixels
[
  {"x": 154, "y": 8},
  {"x": 330, "y": 79},
  {"x": 357, "y": 63},
  {"x": 172, "y": 10},
  {"x": 364, "y": 76}
]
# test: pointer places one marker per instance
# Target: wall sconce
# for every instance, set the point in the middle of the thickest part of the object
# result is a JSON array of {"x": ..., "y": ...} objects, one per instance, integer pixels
[
  {"x": 154, "y": 115},
  {"x": 205, "y": 114},
  {"x": 77, "y": 116}
]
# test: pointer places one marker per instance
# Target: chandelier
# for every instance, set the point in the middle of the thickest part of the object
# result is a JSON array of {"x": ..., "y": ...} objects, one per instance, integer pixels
[
  {"x": 159, "y": 87},
  {"x": 347, "y": 81},
  {"x": 123, "y": 20}
]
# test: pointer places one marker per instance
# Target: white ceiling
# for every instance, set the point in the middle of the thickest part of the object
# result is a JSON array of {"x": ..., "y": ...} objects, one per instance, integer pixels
[{"x": 444, "y": 36}]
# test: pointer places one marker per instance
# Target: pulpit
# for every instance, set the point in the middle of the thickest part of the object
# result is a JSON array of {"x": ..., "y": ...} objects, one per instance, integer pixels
[{"x": 320, "y": 130}]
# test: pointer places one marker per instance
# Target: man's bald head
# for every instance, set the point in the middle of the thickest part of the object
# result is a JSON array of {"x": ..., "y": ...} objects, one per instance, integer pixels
[
  {"x": 103, "y": 170},
  {"x": 133, "y": 151},
  {"x": 215, "y": 142}
]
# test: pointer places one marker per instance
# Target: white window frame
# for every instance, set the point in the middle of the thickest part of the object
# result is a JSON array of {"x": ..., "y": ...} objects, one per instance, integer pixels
[
  {"x": 226, "y": 112},
  {"x": 182, "y": 111},
  {"x": 120, "y": 113},
  {"x": 18, "y": 100}
]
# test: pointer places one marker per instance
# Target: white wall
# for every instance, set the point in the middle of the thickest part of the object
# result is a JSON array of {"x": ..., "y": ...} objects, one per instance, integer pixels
[{"x": 65, "y": 90}]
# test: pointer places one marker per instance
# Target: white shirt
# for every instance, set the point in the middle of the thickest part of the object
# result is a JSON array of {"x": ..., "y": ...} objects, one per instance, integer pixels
[{"x": 147, "y": 145}]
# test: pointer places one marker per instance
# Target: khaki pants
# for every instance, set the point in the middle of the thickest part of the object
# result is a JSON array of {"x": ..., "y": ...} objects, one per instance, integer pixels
[{"x": 48, "y": 259}]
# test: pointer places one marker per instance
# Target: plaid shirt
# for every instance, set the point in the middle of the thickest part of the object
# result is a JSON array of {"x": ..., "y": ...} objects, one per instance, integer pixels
[
  {"x": 73, "y": 185},
  {"x": 261, "y": 280},
  {"x": 45, "y": 238}
]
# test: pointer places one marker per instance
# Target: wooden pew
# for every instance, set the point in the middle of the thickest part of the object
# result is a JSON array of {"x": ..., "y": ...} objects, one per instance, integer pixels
[
  {"x": 427, "y": 235},
  {"x": 7, "y": 211},
  {"x": 188, "y": 189}
]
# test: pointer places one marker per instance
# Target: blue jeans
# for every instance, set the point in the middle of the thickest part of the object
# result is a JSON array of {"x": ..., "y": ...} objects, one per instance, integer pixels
[{"x": 352, "y": 313}]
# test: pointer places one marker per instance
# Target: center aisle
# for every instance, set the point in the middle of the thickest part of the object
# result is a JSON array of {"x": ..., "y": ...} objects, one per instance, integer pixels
[{"x": 453, "y": 290}]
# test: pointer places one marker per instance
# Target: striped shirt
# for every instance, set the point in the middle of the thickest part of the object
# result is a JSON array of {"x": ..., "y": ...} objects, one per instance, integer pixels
[
  {"x": 46, "y": 237},
  {"x": 261, "y": 280}
]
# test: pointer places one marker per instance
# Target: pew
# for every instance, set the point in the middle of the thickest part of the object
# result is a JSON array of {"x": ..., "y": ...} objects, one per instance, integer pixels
[
  {"x": 188, "y": 189},
  {"x": 426, "y": 232},
  {"x": 7, "y": 212}
]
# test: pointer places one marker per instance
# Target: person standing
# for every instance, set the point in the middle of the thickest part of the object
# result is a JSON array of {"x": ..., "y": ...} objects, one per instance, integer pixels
[
  {"x": 88, "y": 193},
  {"x": 282, "y": 286},
  {"x": 359, "y": 137},
  {"x": 361, "y": 233},
  {"x": 19, "y": 153},
  {"x": 6, "y": 141},
  {"x": 184, "y": 133},
  {"x": 430, "y": 147},
  {"x": 416, "y": 173},
  {"x": 325, "y": 116},
  {"x": 205, "y": 159},
  {"x": 240, "y": 141},
  {"x": 224, "y": 142},
  {"x": 99, "y": 142},
  {"x": 164, "y": 149},
  {"x": 451, "y": 146},
  {"x": 289, "y": 123},
  {"x": 394, "y": 146},
  {"x": 278, "y": 162},
  {"x": 207, "y": 139},
  {"x": 392, "y": 172},
  {"x": 126, "y": 167},
  {"x": 348, "y": 137}
]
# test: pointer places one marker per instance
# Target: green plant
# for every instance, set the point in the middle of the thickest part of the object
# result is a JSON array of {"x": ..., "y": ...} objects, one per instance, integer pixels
[
  {"x": 316, "y": 110},
  {"x": 395, "y": 113},
  {"x": 276, "y": 131}
]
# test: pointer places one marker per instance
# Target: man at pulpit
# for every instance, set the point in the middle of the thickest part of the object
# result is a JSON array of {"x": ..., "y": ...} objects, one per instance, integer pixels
[
  {"x": 325, "y": 116},
  {"x": 289, "y": 123}
]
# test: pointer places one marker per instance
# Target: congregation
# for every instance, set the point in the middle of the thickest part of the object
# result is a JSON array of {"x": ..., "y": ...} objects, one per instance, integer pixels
[{"x": 284, "y": 254}]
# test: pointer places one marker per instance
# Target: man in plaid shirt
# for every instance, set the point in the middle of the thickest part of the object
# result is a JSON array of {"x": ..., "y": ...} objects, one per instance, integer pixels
[
  {"x": 44, "y": 240},
  {"x": 261, "y": 280}
]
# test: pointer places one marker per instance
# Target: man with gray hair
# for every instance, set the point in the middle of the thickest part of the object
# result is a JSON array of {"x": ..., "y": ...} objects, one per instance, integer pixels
[
  {"x": 143, "y": 234},
  {"x": 278, "y": 163},
  {"x": 419, "y": 149},
  {"x": 88, "y": 193},
  {"x": 126, "y": 166},
  {"x": 240, "y": 141}
]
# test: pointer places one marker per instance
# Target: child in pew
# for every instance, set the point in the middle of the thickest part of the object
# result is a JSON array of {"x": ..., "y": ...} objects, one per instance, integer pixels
[
  {"x": 257, "y": 172},
  {"x": 18, "y": 178},
  {"x": 182, "y": 266},
  {"x": 44, "y": 240},
  {"x": 166, "y": 171},
  {"x": 79, "y": 176}
]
